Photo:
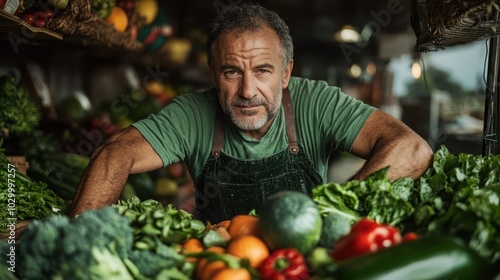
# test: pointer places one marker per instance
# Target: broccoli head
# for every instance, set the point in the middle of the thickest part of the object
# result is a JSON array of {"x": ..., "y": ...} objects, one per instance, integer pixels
[
  {"x": 70, "y": 248},
  {"x": 151, "y": 263}
]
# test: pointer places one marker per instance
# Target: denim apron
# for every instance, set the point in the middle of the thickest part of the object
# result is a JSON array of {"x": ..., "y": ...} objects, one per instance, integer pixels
[{"x": 228, "y": 186}]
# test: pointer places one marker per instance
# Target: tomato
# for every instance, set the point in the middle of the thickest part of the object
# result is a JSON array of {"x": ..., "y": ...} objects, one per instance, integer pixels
[
  {"x": 39, "y": 22},
  {"x": 29, "y": 18}
]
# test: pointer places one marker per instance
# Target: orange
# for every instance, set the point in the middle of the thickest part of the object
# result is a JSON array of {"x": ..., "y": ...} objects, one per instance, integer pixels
[
  {"x": 232, "y": 274},
  {"x": 222, "y": 231},
  {"x": 192, "y": 245},
  {"x": 243, "y": 224},
  {"x": 224, "y": 223},
  {"x": 250, "y": 247},
  {"x": 203, "y": 271},
  {"x": 118, "y": 18},
  {"x": 211, "y": 269}
]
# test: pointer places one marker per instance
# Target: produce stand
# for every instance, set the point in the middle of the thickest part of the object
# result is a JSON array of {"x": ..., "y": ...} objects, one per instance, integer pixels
[
  {"x": 437, "y": 227},
  {"x": 439, "y": 24}
]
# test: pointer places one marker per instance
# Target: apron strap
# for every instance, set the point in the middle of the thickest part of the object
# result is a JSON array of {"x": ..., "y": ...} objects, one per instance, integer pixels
[
  {"x": 289, "y": 120},
  {"x": 291, "y": 133},
  {"x": 219, "y": 132}
]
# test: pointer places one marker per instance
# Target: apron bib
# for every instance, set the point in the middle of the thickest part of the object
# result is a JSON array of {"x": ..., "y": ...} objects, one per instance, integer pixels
[{"x": 228, "y": 186}]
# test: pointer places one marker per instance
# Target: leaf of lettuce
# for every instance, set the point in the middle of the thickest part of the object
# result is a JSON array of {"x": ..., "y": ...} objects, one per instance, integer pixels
[{"x": 331, "y": 197}]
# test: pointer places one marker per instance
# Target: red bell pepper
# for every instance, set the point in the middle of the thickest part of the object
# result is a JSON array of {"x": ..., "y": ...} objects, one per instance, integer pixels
[
  {"x": 410, "y": 236},
  {"x": 366, "y": 236},
  {"x": 284, "y": 264}
]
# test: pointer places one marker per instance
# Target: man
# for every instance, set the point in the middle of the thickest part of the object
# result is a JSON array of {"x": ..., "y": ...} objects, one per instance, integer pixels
[{"x": 257, "y": 132}]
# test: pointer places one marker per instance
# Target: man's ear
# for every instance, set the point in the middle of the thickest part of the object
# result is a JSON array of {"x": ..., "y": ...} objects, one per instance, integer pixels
[{"x": 287, "y": 74}]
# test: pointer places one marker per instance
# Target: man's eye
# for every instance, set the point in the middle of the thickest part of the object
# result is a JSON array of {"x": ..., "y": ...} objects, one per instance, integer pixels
[
  {"x": 231, "y": 73},
  {"x": 263, "y": 71}
]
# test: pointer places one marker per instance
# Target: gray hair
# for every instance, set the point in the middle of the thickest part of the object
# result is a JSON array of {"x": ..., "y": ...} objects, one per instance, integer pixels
[{"x": 249, "y": 17}]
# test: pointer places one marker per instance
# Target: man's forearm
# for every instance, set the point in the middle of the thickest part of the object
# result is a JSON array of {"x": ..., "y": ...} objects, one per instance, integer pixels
[
  {"x": 124, "y": 153},
  {"x": 102, "y": 182},
  {"x": 405, "y": 158}
]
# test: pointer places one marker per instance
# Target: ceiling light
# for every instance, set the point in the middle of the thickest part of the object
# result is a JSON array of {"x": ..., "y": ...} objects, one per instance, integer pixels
[
  {"x": 416, "y": 69},
  {"x": 354, "y": 71},
  {"x": 371, "y": 68},
  {"x": 347, "y": 34}
]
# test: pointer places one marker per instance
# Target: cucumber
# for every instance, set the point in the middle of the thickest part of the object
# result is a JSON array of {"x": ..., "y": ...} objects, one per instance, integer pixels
[{"x": 432, "y": 257}]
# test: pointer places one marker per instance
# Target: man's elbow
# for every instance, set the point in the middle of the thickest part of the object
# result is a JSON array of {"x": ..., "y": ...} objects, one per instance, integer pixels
[{"x": 423, "y": 156}]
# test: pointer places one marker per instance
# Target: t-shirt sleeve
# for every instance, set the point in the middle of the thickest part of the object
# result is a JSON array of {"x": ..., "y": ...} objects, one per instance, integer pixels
[
  {"x": 334, "y": 117},
  {"x": 349, "y": 116},
  {"x": 162, "y": 133}
]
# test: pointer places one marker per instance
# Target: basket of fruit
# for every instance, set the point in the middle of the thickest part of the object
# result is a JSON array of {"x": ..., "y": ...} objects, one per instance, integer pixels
[{"x": 109, "y": 23}]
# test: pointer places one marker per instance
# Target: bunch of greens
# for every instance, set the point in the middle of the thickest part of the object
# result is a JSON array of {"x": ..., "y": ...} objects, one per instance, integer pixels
[
  {"x": 61, "y": 171},
  {"x": 376, "y": 197},
  {"x": 461, "y": 195},
  {"x": 151, "y": 221},
  {"x": 19, "y": 113},
  {"x": 32, "y": 199},
  {"x": 457, "y": 195}
]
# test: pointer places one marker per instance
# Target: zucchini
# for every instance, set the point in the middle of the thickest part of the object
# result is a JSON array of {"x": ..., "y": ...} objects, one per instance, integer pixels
[{"x": 431, "y": 257}]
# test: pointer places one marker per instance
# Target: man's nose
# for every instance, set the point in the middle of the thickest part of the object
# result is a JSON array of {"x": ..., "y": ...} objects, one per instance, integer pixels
[{"x": 248, "y": 87}]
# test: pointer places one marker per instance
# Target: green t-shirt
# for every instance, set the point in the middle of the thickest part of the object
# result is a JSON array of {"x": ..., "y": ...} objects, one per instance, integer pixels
[{"x": 326, "y": 120}]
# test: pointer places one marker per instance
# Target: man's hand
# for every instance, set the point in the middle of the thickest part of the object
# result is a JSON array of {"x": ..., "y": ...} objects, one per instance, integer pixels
[
  {"x": 122, "y": 154},
  {"x": 385, "y": 141}
]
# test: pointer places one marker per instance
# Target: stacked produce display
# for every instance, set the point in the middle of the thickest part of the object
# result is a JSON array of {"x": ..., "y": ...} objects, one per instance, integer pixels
[{"x": 443, "y": 226}]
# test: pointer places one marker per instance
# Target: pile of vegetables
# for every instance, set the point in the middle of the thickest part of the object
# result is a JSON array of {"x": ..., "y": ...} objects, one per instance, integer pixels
[
  {"x": 458, "y": 195},
  {"x": 103, "y": 244},
  {"x": 442, "y": 226}
]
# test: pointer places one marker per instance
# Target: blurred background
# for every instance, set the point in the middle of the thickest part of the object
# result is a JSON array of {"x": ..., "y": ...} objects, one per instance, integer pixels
[{"x": 96, "y": 72}]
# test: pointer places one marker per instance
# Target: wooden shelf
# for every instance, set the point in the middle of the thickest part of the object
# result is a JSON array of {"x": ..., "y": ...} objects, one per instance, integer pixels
[
  {"x": 10, "y": 23},
  {"x": 98, "y": 34}
]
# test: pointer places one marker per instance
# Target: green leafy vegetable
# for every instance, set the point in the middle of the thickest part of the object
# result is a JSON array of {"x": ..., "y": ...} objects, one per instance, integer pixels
[
  {"x": 375, "y": 197},
  {"x": 333, "y": 198},
  {"x": 460, "y": 195},
  {"x": 19, "y": 113},
  {"x": 30, "y": 199},
  {"x": 150, "y": 220}
]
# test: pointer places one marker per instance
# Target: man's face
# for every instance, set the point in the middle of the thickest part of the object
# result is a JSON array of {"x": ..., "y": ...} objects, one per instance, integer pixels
[{"x": 249, "y": 74}]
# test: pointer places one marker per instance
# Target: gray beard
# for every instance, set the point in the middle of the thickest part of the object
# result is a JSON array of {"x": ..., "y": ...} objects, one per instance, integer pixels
[{"x": 249, "y": 122}]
